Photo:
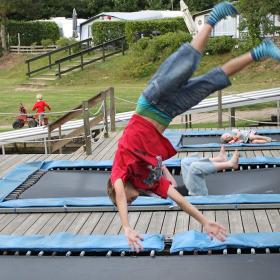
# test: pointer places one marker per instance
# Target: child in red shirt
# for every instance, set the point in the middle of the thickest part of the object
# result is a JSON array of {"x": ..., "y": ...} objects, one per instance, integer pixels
[
  {"x": 138, "y": 165},
  {"x": 40, "y": 107}
]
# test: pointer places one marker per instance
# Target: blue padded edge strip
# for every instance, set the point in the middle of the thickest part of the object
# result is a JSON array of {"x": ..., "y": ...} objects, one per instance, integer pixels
[
  {"x": 62, "y": 242},
  {"x": 79, "y": 202},
  {"x": 216, "y": 145},
  {"x": 234, "y": 199},
  {"x": 193, "y": 240},
  {"x": 194, "y": 132}
]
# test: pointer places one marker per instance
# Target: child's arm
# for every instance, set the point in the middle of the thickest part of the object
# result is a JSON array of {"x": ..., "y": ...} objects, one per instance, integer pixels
[
  {"x": 48, "y": 106},
  {"x": 34, "y": 107},
  {"x": 132, "y": 236},
  {"x": 168, "y": 176},
  {"x": 212, "y": 228}
]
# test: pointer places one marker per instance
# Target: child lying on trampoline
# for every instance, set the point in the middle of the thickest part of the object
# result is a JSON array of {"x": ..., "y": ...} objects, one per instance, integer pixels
[
  {"x": 194, "y": 169},
  {"x": 171, "y": 91},
  {"x": 243, "y": 136}
]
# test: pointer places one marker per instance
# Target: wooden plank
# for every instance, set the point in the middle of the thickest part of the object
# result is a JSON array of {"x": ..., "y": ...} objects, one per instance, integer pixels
[
  {"x": 143, "y": 222},
  {"x": 169, "y": 223},
  {"x": 115, "y": 225},
  {"x": 90, "y": 223},
  {"x": 78, "y": 223},
  {"x": 133, "y": 218},
  {"x": 104, "y": 223},
  {"x": 249, "y": 222},
  {"x": 14, "y": 224},
  {"x": 28, "y": 222},
  {"x": 52, "y": 223},
  {"x": 182, "y": 222},
  {"x": 274, "y": 219},
  {"x": 262, "y": 221},
  {"x": 194, "y": 224},
  {"x": 222, "y": 218},
  {"x": 65, "y": 223},
  {"x": 156, "y": 222},
  {"x": 39, "y": 224},
  {"x": 6, "y": 220},
  {"x": 235, "y": 222},
  {"x": 210, "y": 215}
]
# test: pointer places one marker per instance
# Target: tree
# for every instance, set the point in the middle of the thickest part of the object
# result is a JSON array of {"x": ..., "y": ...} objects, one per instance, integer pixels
[{"x": 255, "y": 17}]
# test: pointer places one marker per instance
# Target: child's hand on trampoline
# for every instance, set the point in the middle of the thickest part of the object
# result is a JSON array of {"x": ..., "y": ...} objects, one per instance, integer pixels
[
  {"x": 133, "y": 239},
  {"x": 215, "y": 230}
]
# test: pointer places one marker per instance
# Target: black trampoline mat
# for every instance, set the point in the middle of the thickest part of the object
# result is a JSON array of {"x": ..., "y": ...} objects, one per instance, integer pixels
[
  {"x": 215, "y": 267},
  {"x": 198, "y": 140},
  {"x": 77, "y": 183},
  {"x": 254, "y": 181},
  {"x": 69, "y": 183}
]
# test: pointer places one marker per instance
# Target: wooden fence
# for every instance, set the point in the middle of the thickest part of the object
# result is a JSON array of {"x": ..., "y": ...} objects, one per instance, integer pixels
[{"x": 31, "y": 49}]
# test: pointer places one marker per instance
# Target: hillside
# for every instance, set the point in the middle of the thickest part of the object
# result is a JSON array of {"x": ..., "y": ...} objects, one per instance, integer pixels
[{"x": 66, "y": 93}]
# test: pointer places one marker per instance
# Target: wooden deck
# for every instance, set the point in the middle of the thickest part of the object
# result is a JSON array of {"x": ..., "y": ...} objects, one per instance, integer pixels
[{"x": 161, "y": 221}]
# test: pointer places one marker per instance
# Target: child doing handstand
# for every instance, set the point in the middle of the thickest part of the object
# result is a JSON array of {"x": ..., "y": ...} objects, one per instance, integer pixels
[{"x": 171, "y": 91}]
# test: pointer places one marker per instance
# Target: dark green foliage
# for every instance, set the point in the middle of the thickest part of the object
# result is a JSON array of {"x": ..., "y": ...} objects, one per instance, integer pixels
[
  {"x": 107, "y": 30},
  {"x": 32, "y": 32},
  {"x": 220, "y": 45},
  {"x": 147, "y": 54},
  {"x": 145, "y": 28}
]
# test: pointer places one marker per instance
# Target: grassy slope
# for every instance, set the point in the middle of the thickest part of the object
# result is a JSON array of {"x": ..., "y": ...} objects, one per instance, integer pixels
[{"x": 68, "y": 92}]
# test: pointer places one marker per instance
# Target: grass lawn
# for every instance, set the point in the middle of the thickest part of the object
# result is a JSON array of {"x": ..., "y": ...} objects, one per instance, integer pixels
[{"x": 68, "y": 92}]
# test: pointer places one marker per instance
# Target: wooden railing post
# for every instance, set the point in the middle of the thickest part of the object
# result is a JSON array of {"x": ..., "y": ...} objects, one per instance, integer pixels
[
  {"x": 87, "y": 128},
  {"x": 60, "y": 137},
  {"x": 103, "y": 52},
  {"x": 232, "y": 117},
  {"x": 50, "y": 61},
  {"x": 82, "y": 62},
  {"x": 112, "y": 109},
  {"x": 49, "y": 139},
  {"x": 220, "y": 109},
  {"x": 123, "y": 46},
  {"x": 28, "y": 69},
  {"x": 104, "y": 99},
  {"x": 59, "y": 71}
]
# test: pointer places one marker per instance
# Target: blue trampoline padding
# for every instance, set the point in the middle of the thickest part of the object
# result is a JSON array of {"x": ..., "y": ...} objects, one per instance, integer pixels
[
  {"x": 217, "y": 145},
  {"x": 198, "y": 241},
  {"x": 194, "y": 132},
  {"x": 62, "y": 242},
  {"x": 234, "y": 199},
  {"x": 79, "y": 202}
]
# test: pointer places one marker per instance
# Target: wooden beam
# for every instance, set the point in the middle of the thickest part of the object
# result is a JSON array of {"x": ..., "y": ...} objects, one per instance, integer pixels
[{"x": 57, "y": 145}]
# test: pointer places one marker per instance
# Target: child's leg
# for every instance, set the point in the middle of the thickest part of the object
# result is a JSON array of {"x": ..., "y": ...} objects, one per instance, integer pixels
[
  {"x": 179, "y": 67},
  {"x": 194, "y": 172},
  {"x": 196, "y": 89},
  {"x": 259, "y": 139}
]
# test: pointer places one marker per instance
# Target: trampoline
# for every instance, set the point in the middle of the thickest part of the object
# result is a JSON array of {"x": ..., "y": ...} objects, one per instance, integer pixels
[
  {"x": 231, "y": 267},
  {"x": 83, "y": 183},
  {"x": 210, "y": 139}
]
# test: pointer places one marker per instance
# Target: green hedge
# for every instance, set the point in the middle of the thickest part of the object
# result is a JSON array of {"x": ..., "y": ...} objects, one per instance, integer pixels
[
  {"x": 133, "y": 30},
  {"x": 136, "y": 29},
  {"x": 103, "y": 31},
  {"x": 220, "y": 45},
  {"x": 32, "y": 32}
]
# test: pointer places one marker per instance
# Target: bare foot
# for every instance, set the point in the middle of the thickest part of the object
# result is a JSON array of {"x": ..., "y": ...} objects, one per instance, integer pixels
[
  {"x": 222, "y": 155},
  {"x": 235, "y": 159},
  {"x": 268, "y": 139}
]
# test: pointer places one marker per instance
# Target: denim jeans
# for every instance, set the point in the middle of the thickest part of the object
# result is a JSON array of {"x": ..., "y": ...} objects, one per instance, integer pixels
[
  {"x": 173, "y": 92},
  {"x": 194, "y": 170}
]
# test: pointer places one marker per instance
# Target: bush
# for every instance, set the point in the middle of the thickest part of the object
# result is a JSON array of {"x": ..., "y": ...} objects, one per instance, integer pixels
[
  {"x": 46, "y": 42},
  {"x": 103, "y": 31},
  {"x": 148, "y": 53},
  {"x": 32, "y": 31},
  {"x": 63, "y": 42},
  {"x": 220, "y": 45}
]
